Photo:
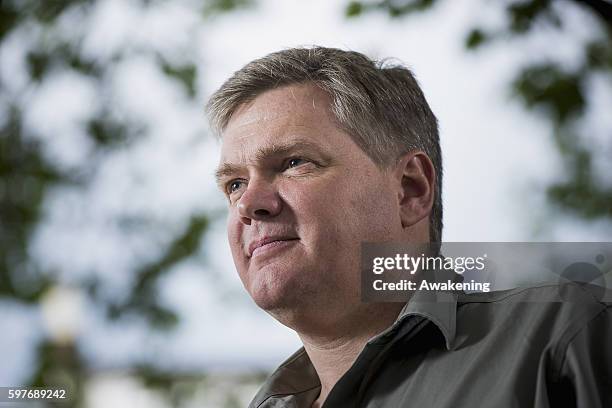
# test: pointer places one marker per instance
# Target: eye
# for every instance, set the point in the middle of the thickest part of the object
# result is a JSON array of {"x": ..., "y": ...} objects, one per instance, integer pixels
[
  {"x": 294, "y": 162},
  {"x": 234, "y": 186}
]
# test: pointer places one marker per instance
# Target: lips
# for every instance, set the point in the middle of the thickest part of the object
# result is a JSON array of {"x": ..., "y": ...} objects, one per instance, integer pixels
[{"x": 267, "y": 240}]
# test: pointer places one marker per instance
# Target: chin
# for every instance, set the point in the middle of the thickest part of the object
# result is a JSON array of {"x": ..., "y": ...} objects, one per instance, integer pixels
[
  {"x": 277, "y": 296},
  {"x": 269, "y": 283},
  {"x": 270, "y": 298}
]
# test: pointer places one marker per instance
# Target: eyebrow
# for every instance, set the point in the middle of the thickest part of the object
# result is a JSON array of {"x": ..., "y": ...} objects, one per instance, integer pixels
[{"x": 264, "y": 153}]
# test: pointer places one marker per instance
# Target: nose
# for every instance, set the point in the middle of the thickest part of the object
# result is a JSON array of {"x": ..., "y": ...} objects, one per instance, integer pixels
[{"x": 260, "y": 201}]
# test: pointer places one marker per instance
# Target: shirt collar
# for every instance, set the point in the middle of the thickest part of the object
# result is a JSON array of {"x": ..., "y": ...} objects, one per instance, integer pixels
[
  {"x": 297, "y": 374},
  {"x": 439, "y": 307},
  {"x": 294, "y": 376}
]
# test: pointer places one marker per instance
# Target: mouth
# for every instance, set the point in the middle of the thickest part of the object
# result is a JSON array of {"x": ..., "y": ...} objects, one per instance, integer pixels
[{"x": 269, "y": 243}]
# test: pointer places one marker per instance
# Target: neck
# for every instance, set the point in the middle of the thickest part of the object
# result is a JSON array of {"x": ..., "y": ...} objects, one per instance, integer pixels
[{"x": 332, "y": 353}]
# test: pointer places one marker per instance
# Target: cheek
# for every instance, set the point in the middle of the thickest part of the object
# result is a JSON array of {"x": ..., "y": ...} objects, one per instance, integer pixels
[
  {"x": 234, "y": 238},
  {"x": 326, "y": 211},
  {"x": 363, "y": 210}
]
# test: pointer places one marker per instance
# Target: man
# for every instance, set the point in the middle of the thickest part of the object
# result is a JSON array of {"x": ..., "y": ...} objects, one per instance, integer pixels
[{"x": 323, "y": 150}]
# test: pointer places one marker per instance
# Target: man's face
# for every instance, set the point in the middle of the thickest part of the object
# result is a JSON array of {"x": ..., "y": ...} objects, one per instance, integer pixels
[{"x": 303, "y": 196}]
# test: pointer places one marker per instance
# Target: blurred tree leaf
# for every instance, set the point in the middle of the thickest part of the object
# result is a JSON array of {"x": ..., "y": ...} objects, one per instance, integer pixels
[
  {"x": 354, "y": 9},
  {"x": 522, "y": 14},
  {"x": 63, "y": 56},
  {"x": 185, "y": 74},
  {"x": 581, "y": 194},
  {"x": 25, "y": 176},
  {"x": 144, "y": 293},
  {"x": 49, "y": 10},
  {"x": 8, "y": 19},
  {"x": 38, "y": 63},
  {"x": 599, "y": 55},
  {"x": 560, "y": 93},
  {"x": 394, "y": 8},
  {"x": 475, "y": 38},
  {"x": 213, "y": 7},
  {"x": 106, "y": 131}
]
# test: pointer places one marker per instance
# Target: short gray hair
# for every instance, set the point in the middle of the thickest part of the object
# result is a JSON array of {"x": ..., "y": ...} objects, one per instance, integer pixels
[{"x": 379, "y": 104}]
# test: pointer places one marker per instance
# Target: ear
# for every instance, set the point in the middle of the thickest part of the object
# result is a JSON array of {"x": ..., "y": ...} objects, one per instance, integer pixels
[{"x": 416, "y": 180}]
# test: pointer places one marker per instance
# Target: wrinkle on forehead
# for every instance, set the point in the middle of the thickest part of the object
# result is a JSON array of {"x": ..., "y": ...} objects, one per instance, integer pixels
[{"x": 287, "y": 101}]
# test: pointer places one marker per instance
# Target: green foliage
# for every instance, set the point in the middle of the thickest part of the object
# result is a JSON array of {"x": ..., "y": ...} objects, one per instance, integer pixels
[
  {"x": 599, "y": 55},
  {"x": 354, "y": 9},
  {"x": 581, "y": 193},
  {"x": 213, "y": 7},
  {"x": 38, "y": 63},
  {"x": 62, "y": 56},
  {"x": 475, "y": 39},
  {"x": 105, "y": 131},
  {"x": 394, "y": 8},
  {"x": 13, "y": 12},
  {"x": 8, "y": 18},
  {"x": 523, "y": 14},
  {"x": 186, "y": 75},
  {"x": 28, "y": 174},
  {"x": 25, "y": 177},
  {"x": 560, "y": 93},
  {"x": 143, "y": 294},
  {"x": 47, "y": 11}
]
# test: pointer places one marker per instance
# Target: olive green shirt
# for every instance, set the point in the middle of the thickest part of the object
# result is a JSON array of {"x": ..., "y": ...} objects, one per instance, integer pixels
[{"x": 544, "y": 346}]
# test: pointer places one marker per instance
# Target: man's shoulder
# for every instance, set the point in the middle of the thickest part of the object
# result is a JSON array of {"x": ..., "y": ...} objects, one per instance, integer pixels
[
  {"x": 569, "y": 292},
  {"x": 553, "y": 311}
]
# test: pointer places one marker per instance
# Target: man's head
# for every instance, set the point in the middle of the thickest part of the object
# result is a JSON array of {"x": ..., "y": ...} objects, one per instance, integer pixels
[{"x": 322, "y": 149}]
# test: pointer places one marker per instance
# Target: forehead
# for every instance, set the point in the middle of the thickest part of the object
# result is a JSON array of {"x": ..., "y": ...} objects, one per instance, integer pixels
[{"x": 278, "y": 115}]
